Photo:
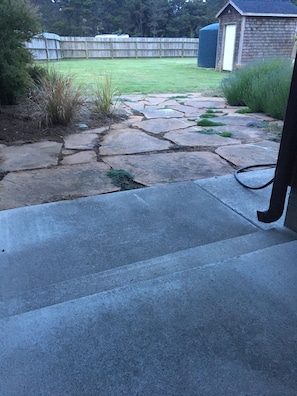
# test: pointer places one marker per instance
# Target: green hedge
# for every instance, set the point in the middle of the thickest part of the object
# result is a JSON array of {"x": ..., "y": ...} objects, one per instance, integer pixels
[{"x": 262, "y": 85}]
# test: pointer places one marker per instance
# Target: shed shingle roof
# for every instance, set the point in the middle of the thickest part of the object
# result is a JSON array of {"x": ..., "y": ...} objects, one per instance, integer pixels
[{"x": 262, "y": 7}]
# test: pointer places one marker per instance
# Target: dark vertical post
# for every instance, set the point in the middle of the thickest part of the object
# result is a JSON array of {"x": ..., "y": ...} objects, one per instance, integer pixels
[{"x": 286, "y": 163}]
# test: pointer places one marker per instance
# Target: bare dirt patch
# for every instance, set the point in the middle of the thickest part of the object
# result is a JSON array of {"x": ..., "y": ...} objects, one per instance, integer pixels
[{"x": 16, "y": 127}]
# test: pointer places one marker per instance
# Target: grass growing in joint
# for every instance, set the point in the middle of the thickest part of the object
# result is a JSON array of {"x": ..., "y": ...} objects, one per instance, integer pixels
[
  {"x": 206, "y": 122},
  {"x": 122, "y": 179},
  {"x": 225, "y": 134}
]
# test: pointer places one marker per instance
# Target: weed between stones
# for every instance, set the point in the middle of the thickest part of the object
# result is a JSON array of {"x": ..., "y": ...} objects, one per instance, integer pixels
[{"x": 122, "y": 179}]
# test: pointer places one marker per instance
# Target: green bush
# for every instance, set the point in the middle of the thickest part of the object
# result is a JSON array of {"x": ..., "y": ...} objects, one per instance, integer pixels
[
  {"x": 262, "y": 85},
  {"x": 18, "y": 24}
]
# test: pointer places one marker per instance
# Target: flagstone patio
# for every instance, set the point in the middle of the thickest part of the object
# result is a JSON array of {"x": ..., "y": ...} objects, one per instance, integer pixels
[{"x": 159, "y": 142}]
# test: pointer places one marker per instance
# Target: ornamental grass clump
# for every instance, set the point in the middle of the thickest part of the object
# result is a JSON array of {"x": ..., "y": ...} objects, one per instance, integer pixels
[
  {"x": 106, "y": 96},
  {"x": 55, "y": 99},
  {"x": 262, "y": 86}
]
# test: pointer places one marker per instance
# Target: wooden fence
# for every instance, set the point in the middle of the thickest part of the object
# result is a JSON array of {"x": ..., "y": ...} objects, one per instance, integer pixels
[{"x": 53, "y": 47}]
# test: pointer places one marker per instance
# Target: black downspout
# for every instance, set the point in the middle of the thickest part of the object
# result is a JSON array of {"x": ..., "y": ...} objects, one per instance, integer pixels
[{"x": 286, "y": 162}]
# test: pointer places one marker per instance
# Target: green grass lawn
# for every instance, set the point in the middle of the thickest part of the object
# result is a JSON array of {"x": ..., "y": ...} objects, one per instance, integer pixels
[{"x": 166, "y": 75}]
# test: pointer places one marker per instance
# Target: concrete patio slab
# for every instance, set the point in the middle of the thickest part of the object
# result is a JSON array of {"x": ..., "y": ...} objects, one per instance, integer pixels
[
  {"x": 250, "y": 154},
  {"x": 163, "y": 125},
  {"x": 223, "y": 329},
  {"x": 81, "y": 141},
  {"x": 242, "y": 200},
  {"x": 192, "y": 137},
  {"x": 29, "y": 156},
  {"x": 95, "y": 234},
  {"x": 152, "y": 169},
  {"x": 47, "y": 185},
  {"x": 130, "y": 141}
]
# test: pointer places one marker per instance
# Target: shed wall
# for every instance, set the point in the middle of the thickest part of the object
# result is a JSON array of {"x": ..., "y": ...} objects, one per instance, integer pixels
[
  {"x": 256, "y": 36},
  {"x": 265, "y": 37}
]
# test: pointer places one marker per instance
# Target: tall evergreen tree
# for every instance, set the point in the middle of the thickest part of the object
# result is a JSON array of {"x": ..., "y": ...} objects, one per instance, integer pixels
[
  {"x": 18, "y": 24},
  {"x": 157, "y": 18}
]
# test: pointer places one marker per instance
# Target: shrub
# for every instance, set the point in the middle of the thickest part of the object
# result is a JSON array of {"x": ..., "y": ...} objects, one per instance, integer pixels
[
  {"x": 106, "y": 97},
  {"x": 55, "y": 98},
  {"x": 263, "y": 86},
  {"x": 18, "y": 24}
]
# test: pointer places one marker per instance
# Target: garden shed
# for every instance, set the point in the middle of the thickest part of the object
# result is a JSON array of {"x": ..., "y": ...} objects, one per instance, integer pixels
[{"x": 250, "y": 29}]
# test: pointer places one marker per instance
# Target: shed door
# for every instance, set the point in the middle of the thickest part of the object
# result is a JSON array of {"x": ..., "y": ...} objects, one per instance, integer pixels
[{"x": 229, "y": 45}]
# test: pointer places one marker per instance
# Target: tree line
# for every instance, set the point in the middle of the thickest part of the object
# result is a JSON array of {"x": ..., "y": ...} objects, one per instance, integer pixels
[{"x": 138, "y": 18}]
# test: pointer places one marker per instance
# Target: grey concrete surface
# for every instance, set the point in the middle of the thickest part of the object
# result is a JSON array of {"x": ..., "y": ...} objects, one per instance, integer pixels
[
  {"x": 108, "y": 279},
  {"x": 224, "y": 329},
  {"x": 84, "y": 236},
  {"x": 244, "y": 201},
  {"x": 166, "y": 290}
]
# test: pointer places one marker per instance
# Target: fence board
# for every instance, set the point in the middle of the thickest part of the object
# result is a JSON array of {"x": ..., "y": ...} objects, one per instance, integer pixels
[{"x": 53, "y": 47}]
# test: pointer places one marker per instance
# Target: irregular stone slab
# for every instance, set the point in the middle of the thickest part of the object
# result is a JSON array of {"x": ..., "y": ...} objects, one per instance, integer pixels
[
  {"x": 150, "y": 113},
  {"x": 131, "y": 120},
  {"x": 163, "y": 125},
  {"x": 129, "y": 141},
  {"x": 98, "y": 131},
  {"x": 79, "y": 158},
  {"x": 240, "y": 119},
  {"x": 205, "y": 103},
  {"x": 131, "y": 98},
  {"x": 168, "y": 104},
  {"x": 155, "y": 100},
  {"x": 81, "y": 141},
  {"x": 170, "y": 167},
  {"x": 192, "y": 137},
  {"x": 60, "y": 183},
  {"x": 244, "y": 133},
  {"x": 250, "y": 154},
  {"x": 187, "y": 110},
  {"x": 29, "y": 156},
  {"x": 259, "y": 116},
  {"x": 135, "y": 106},
  {"x": 68, "y": 152}
]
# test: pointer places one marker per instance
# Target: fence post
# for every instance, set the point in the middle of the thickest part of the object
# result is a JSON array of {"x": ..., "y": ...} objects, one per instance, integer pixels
[
  {"x": 86, "y": 47},
  {"x": 46, "y": 49}
]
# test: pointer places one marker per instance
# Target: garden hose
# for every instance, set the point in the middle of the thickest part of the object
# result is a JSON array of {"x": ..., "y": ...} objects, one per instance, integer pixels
[{"x": 240, "y": 170}]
